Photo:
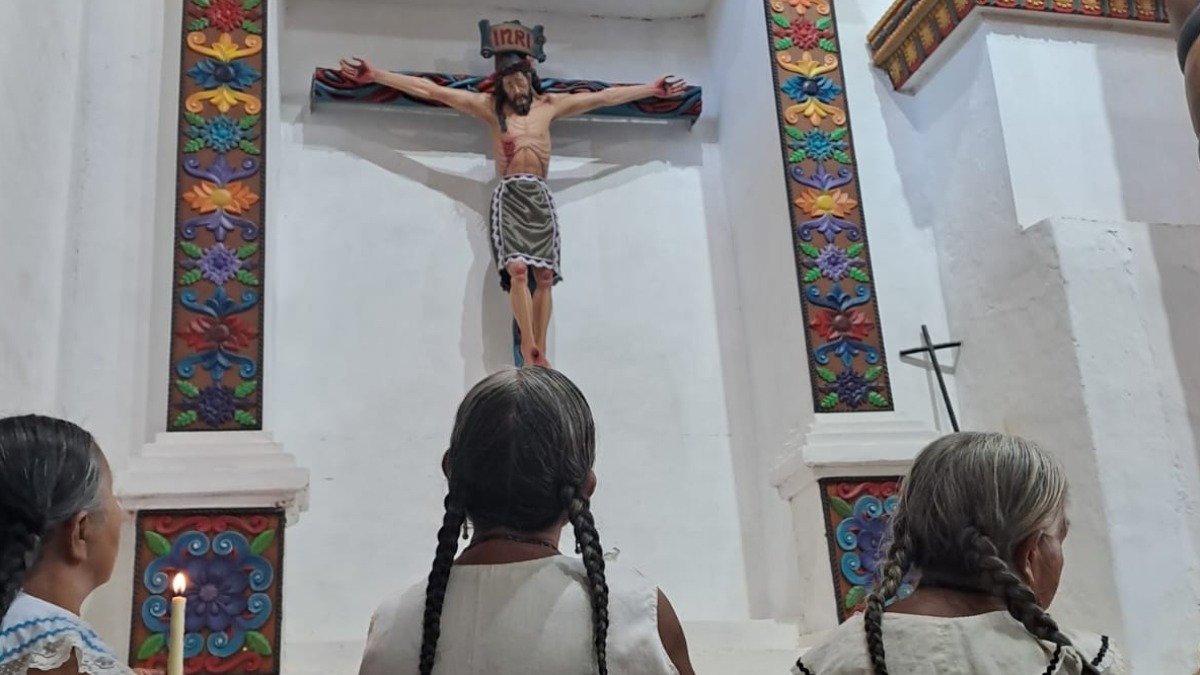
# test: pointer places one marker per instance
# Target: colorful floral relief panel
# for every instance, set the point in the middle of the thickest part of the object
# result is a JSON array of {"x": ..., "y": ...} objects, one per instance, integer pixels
[
  {"x": 216, "y": 346},
  {"x": 857, "y": 512},
  {"x": 232, "y": 561},
  {"x": 833, "y": 262}
]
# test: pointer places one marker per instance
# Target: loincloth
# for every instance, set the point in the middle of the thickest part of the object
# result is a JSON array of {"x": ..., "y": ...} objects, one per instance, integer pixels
[{"x": 524, "y": 226}]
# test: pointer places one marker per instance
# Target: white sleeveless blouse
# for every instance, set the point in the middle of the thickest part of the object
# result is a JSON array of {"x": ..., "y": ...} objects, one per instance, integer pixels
[
  {"x": 38, "y": 636},
  {"x": 527, "y": 618},
  {"x": 993, "y": 643}
]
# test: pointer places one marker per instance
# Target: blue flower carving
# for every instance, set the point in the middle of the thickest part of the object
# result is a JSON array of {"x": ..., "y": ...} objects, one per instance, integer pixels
[
  {"x": 818, "y": 145},
  {"x": 220, "y": 133},
  {"x": 862, "y": 538},
  {"x": 800, "y": 88},
  {"x": 211, "y": 73}
]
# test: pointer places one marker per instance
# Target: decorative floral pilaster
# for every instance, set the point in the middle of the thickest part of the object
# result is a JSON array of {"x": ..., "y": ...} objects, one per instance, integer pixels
[
  {"x": 233, "y": 563},
  {"x": 217, "y": 348},
  {"x": 857, "y": 511},
  {"x": 845, "y": 347}
]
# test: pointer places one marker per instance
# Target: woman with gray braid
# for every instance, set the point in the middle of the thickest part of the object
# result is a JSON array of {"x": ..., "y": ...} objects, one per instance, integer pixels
[
  {"x": 59, "y": 528},
  {"x": 520, "y": 469},
  {"x": 981, "y": 519}
]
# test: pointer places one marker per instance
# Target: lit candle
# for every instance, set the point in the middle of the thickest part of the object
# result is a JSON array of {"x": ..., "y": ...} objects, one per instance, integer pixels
[{"x": 178, "y": 609}]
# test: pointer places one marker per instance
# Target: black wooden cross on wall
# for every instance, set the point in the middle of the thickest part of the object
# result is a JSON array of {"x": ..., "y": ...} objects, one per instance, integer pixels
[{"x": 927, "y": 347}]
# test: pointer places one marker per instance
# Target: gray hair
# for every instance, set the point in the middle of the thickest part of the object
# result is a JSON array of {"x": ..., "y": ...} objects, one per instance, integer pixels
[
  {"x": 968, "y": 501},
  {"x": 50, "y": 471}
]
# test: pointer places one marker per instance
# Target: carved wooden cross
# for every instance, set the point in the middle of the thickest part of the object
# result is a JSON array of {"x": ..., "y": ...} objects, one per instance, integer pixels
[{"x": 927, "y": 347}]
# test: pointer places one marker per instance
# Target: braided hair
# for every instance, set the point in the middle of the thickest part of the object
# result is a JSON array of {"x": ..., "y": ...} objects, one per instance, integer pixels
[
  {"x": 500, "y": 97},
  {"x": 521, "y": 451},
  {"x": 50, "y": 471},
  {"x": 969, "y": 500}
]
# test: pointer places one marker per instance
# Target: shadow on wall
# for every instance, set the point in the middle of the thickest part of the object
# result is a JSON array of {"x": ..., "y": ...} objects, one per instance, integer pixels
[{"x": 599, "y": 155}]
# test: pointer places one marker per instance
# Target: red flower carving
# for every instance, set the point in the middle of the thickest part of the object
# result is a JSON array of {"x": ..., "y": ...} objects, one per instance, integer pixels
[
  {"x": 834, "y": 326},
  {"x": 226, "y": 14},
  {"x": 228, "y": 333},
  {"x": 804, "y": 34}
]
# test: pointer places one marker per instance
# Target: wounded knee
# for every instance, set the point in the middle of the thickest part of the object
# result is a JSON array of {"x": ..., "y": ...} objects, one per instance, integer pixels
[
  {"x": 543, "y": 275},
  {"x": 517, "y": 270}
]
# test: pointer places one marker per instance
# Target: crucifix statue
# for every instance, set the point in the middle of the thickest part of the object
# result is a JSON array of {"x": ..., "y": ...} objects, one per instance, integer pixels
[{"x": 518, "y": 111}]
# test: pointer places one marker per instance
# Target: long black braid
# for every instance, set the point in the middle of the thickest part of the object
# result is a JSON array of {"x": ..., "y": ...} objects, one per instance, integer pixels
[
  {"x": 520, "y": 456},
  {"x": 50, "y": 471}
]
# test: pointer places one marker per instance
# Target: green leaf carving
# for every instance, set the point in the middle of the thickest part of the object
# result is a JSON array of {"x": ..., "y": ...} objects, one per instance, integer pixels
[
  {"x": 250, "y": 4},
  {"x": 244, "y": 418},
  {"x": 190, "y": 250},
  {"x": 158, "y": 544},
  {"x": 185, "y": 419},
  {"x": 190, "y": 278},
  {"x": 247, "y": 278},
  {"x": 829, "y": 401},
  {"x": 824, "y": 23},
  {"x": 872, "y": 373},
  {"x": 854, "y": 250},
  {"x": 258, "y": 643},
  {"x": 837, "y": 154},
  {"x": 249, "y": 148},
  {"x": 247, "y": 250},
  {"x": 783, "y": 43},
  {"x": 826, "y": 374},
  {"x": 153, "y": 645},
  {"x": 194, "y": 145},
  {"x": 854, "y": 596},
  {"x": 198, "y": 24},
  {"x": 248, "y": 121},
  {"x": 781, "y": 21},
  {"x": 262, "y": 542},
  {"x": 878, "y": 400},
  {"x": 796, "y": 156},
  {"x": 809, "y": 249},
  {"x": 193, "y": 119},
  {"x": 187, "y": 388},
  {"x": 246, "y": 388},
  {"x": 837, "y": 134},
  {"x": 812, "y": 275},
  {"x": 859, "y": 275},
  {"x": 202, "y": 3},
  {"x": 251, "y": 27},
  {"x": 795, "y": 133},
  {"x": 828, "y": 45},
  {"x": 840, "y": 506}
]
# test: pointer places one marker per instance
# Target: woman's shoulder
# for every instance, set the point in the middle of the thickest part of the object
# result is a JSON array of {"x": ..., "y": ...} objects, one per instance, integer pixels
[
  {"x": 1098, "y": 650},
  {"x": 42, "y": 636}
]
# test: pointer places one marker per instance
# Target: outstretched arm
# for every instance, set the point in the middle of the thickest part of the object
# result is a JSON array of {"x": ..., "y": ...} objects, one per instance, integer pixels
[
  {"x": 469, "y": 102},
  {"x": 569, "y": 105}
]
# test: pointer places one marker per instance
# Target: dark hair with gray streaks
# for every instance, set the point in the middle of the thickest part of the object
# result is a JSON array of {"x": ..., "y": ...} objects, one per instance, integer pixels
[
  {"x": 50, "y": 471},
  {"x": 522, "y": 447},
  {"x": 967, "y": 503}
]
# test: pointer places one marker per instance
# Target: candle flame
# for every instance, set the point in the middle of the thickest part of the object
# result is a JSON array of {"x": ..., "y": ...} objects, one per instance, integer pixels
[{"x": 179, "y": 585}]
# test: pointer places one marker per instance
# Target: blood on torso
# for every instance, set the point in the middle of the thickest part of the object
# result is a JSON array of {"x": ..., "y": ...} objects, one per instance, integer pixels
[{"x": 525, "y": 147}]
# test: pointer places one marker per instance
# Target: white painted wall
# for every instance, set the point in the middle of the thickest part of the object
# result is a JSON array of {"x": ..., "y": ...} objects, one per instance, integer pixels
[
  {"x": 387, "y": 309},
  {"x": 1073, "y": 328}
]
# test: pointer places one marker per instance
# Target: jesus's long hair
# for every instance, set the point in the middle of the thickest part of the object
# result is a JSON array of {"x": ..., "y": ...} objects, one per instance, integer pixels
[{"x": 500, "y": 97}]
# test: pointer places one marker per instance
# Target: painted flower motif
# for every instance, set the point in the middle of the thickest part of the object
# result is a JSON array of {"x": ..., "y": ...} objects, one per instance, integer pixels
[
  {"x": 220, "y": 198},
  {"x": 802, "y": 89},
  {"x": 834, "y": 325},
  {"x": 220, "y": 133},
  {"x": 211, "y": 73},
  {"x": 834, "y": 263},
  {"x": 226, "y": 15},
  {"x": 825, "y": 204},
  {"x": 214, "y": 404},
  {"x": 225, "y": 333},
  {"x": 820, "y": 145},
  {"x": 803, "y": 33},
  {"x": 209, "y": 197},
  {"x": 216, "y": 594},
  {"x": 853, "y": 390},
  {"x": 219, "y": 264}
]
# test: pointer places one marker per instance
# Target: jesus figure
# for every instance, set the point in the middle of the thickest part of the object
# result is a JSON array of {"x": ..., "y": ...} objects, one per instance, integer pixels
[{"x": 523, "y": 224}]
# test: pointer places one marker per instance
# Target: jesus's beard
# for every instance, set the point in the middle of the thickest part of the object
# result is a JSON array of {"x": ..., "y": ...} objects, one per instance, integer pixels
[{"x": 521, "y": 104}]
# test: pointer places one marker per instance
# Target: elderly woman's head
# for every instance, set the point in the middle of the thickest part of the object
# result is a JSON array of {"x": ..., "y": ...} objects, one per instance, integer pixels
[
  {"x": 982, "y": 512},
  {"x": 58, "y": 516}
]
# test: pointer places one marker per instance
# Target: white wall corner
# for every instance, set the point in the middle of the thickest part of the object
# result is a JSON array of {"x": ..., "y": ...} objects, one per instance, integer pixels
[{"x": 214, "y": 469}]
